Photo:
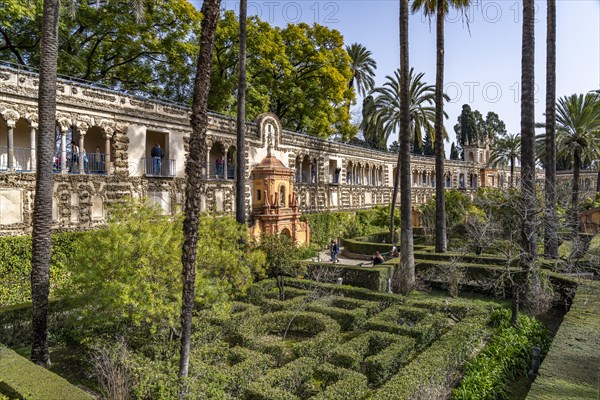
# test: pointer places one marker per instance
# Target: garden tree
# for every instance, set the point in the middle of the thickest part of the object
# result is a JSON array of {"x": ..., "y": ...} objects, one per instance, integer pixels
[
  {"x": 453, "y": 152},
  {"x": 279, "y": 250},
  {"x": 550, "y": 219},
  {"x": 394, "y": 147},
  {"x": 299, "y": 72},
  {"x": 417, "y": 146},
  {"x": 529, "y": 213},
  {"x": 240, "y": 184},
  {"x": 193, "y": 172},
  {"x": 403, "y": 276},
  {"x": 42, "y": 206},
  {"x": 578, "y": 136},
  {"x": 135, "y": 294},
  {"x": 493, "y": 127},
  {"x": 102, "y": 43},
  {"x": 387, "y": 106},
  {"x": 428, "y": 149},
  {"x": 363, "y": 68},
  {"x": 310, "y": 96},
  {"x": 507, "y": 149},
  {"x": 372, "y": 125},
  {"x": 457, "y": 205},
  {"x": 440, "y": 9},
  {"x": 501, "y": 229},
  {"x": 466, "y": 128}
]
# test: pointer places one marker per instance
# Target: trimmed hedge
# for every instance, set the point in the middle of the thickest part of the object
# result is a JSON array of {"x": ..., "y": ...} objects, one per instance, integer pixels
[
  {"x": 269, "y": 330},
  {"x": 373, "y": 278},
  {"x": 304, "y": 378},
  {"x": 349, "y": 291},
  {"x": 431, "y": 373},
  {"x": 22, "y": 379},
  {"x": 376, "y": 354},
  {"x": 361, "y": 245},
  {"x": 416, "y": 323},
  {"x": 15, "y": 322},
  {"x": 571, "y": 369}
]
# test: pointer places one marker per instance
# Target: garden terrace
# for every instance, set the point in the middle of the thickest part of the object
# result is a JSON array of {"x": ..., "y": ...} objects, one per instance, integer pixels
[{"x": 572, "y": 368}]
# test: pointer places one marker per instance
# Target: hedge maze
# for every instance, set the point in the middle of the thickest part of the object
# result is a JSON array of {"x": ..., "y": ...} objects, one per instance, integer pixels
[{"x": 326, "y": 341}]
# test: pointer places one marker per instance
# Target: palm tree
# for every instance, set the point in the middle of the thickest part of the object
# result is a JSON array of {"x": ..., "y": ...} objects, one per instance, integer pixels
[
  {"x": 363, "y": 68},
  {"x": 507, "y": 150},
  {"x": 421, "y": 106},
  {"x": 240, "y": 186},
  {"x": 193, "y": 170},
  {"x": 440, "y": 8},
  {"x": 386, "y": 114},
  {"x": 42, "y": 207},
  {"x": 403, "y": 278},
  {"x": 578, "y": 136},
  {"x": 534, "y": 289},
  {"x": 550, "y": 222}
]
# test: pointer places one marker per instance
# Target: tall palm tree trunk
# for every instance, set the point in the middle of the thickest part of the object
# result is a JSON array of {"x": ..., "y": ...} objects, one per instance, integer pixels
[
  {"x": 404, "y": 275},
  {"x": 193, "y": 170},
  {"x": 550, "y": 222},
  {"x": 440, "y": 211},
  {"x": 42, "y": 207},
  {"x": 512, "y": 172},
  {"x": 575, "y": 191},
  {"x": 240, "y": 186},
  {"x": 534, "y": 292}
]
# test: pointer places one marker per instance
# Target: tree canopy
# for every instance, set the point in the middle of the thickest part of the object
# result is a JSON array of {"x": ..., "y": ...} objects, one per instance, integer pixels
[{"x": 300, "y": 72}]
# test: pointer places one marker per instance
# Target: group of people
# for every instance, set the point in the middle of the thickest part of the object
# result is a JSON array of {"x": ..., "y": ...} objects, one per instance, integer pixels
[{"x": 75, "y": 155}]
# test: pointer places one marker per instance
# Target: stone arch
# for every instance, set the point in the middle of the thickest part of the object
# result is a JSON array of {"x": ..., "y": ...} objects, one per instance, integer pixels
[
  {"x": 282, "y": 196},
  {"x": 216, "y": 161},
  {"x": 471, "y": 157},
  {"x": 286, "y": 232}
]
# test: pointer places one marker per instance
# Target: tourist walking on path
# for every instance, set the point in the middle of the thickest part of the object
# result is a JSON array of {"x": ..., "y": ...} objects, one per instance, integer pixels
[{"x": 334, "y": 248}]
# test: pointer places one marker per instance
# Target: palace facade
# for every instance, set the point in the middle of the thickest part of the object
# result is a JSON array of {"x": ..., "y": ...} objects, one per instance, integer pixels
[{"x": 115, "y": 133}]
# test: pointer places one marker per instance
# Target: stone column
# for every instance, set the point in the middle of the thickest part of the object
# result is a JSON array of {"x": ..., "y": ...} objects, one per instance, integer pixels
[
  {"x": 10, "y": 164},
  {"x": 63, "y": 150},
  {"x": 82, "y": 133},
  {"x": 225, "y": 151},
  {"x": 32, "y": 130},
  {"x": 207, "y": 166},
  {"x": 107, "y": 137}
]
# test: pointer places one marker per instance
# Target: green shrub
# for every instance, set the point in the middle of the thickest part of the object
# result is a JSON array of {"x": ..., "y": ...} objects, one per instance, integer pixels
[
  {"x": 380, "y": 366},
  {"x": 304, "y": 378},
  {"x": 294, "y": 381},
  {"x": 20, "y": 378},
  {"x": 433, "y": 370},
  {"x": 360, "y": 245},
  {"x": 506, "y": 356},
  {"x": 349, "y": 291},
  {"x": 373, "y": 278},
  {"x": 15, "y": 266},
  {"x": 298, "y": 325},
  {"x": 376, "y": 354}
]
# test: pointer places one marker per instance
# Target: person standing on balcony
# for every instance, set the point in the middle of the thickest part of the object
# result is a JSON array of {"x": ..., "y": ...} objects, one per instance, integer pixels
[
  {"x": 219, "y": 164},
  {"x": 74, "y": 156},
  {"x": 98, "y": 159},
  {"x": 157, "y": 155}
]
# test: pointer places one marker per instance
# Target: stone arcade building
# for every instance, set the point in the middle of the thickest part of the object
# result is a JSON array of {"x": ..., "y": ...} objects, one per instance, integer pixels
[{"x": 115, "y": 133}]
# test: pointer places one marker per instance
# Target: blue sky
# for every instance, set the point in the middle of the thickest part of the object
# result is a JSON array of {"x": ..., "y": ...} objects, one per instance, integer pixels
[{"x": 483, "y": 61}]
